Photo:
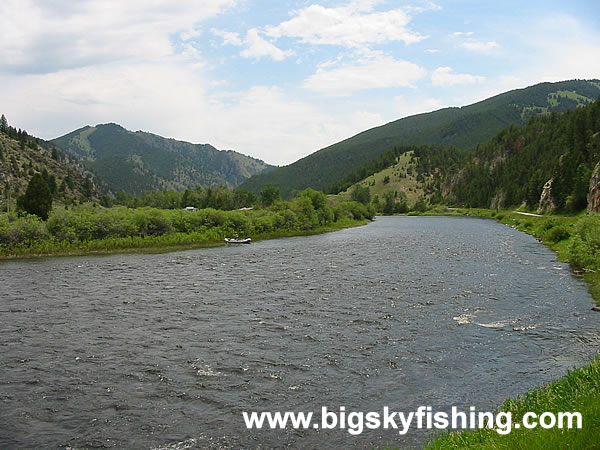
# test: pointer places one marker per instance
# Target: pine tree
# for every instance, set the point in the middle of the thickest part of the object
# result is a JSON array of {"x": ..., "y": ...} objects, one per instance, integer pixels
[
  {"x": 37, "y": 198},
  {"x": 3, "y": 124}
]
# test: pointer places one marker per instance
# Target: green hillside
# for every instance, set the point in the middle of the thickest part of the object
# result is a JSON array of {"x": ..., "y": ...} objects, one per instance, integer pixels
[
  {"x": 512, "y": 169},
  {"x": 463, "y": 127},
  {"x": 554, "y": 153},
  {"x": 23, "y": 155},
  {"x": 138, "y": 161}
]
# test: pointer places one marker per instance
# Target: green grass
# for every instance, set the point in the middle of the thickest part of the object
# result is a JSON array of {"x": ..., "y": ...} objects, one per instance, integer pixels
[{"x": 579, "y": 391}]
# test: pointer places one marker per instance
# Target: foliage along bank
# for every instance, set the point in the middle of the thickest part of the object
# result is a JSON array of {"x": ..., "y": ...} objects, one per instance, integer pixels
[{"x": 90, "y": 228}]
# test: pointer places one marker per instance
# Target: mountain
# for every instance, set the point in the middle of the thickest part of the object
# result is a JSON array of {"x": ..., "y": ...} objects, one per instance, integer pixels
[
  {"x": 138, "y": 161},
  {"x": 551, "y": 164},
  {"x": 463, "y": 127},
  {"x": 547, "y": 164},
  {"x": 22, "y": 156}
]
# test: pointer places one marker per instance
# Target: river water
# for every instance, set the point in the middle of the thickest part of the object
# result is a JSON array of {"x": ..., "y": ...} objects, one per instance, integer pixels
[{"x": 168, "y": 350}]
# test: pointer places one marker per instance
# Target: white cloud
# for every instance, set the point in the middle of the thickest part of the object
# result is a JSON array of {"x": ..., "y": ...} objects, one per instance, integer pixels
[
  {"x": 443, "y": 76},
  {"x": 40, "y": 36},
  {"x": 479, "y": 46},
  {"x": 374, "y": 71},
  {"x": 467, "y": 41},
  {"x": 295, "y": 128},
  {"x": 353, "y": 25},
  {"x": 572, "y": 53},
  {"x": 257, "y": 47},
  {"x": 229, "y": 37}
]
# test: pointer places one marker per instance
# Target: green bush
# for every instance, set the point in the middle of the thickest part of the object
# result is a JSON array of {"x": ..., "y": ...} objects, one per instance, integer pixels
[
  {"x": 557, "y": 234},
  {"x": 25, "y": 230},
  {"x": 584, "y": 248}
]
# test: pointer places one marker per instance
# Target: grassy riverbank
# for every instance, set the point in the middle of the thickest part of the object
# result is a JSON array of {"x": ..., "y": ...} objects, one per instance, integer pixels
[
  {"x": 578, "y": 391},
  {"x": 576, "y": 239},
  {"x": 91, "y": 229}
]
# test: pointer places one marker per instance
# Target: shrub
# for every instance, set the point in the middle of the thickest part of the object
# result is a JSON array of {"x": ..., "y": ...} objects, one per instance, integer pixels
[
  {"x": 557, "y": 234},
  {"x": 24, "y": 230},
  {"x": 584, "y": 249}
]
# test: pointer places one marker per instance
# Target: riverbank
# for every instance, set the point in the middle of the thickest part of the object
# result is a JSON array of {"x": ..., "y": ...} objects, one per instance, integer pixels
[
  {"x": 575, "y": 240},
  {"x": 159, "y": 244},
  {"x": 90, "y": 229}
]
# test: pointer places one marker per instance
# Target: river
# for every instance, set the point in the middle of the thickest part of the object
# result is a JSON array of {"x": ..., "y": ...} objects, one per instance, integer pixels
[{"x": 167, "y": 350}]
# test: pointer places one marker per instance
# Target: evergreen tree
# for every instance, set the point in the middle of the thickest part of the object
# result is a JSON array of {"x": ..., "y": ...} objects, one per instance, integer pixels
[
  {"x": 3, "y": 124},
  {"x": 87, "y": 188},
  {"x": 37, "y": 198}
]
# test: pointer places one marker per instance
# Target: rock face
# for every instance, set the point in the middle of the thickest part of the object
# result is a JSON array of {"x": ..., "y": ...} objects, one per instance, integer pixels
[
  {"x": 498, "y": 201},
  {"x": 594, "y": 192},
  {"x": 546, "y": 203}
]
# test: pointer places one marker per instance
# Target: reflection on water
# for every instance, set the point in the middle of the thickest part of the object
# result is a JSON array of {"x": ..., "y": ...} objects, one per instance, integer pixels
[{"x": 165, "y": 350}]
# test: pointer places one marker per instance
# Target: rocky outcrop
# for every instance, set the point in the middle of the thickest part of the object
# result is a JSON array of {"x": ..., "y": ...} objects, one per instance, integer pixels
[
  {"x": 546, "y": 202},
  {"x": 594, "y": 192},
  {"x": 498, "y": 201}
]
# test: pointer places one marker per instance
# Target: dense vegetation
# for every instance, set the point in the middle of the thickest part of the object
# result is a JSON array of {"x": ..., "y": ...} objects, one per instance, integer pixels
[
  {"x": 218, "y": 197},
  {"x": 458, "y": 127},
  {"x": 373, "y": 166},
  {"x": 138, "y": 161},
  {"x": 95, "y": 228},
  {"x": 512, "y": 168}
]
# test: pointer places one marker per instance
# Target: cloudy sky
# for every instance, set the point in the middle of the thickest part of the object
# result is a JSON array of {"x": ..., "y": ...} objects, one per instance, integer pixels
[{"x": 277, "y": 79}]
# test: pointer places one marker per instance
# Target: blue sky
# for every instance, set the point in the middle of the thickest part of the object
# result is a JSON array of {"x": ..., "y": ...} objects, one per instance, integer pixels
[{"x": 277, "y": 80}]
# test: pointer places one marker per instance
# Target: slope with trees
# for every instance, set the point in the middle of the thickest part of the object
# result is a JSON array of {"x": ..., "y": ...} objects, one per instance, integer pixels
[
  {"x": 559, "y": 150},
  {"x": 138, "y": 161},
  {"x": 463, "y": 127},
  {"x": 22, "y": 156}
]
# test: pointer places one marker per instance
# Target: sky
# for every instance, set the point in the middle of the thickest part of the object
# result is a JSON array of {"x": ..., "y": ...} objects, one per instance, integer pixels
[{"x": 277, "y": 79}]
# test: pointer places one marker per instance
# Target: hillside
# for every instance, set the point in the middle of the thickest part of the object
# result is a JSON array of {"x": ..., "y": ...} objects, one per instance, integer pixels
[
  {"x": 463, "y": 127},
  {"x": 22, "y": 155},
  {"x": 400, "y": 178},
  {"x": 553, "y": 157},
  {"x": 550, "y": 164},
  {"x": 138, "y": 161}
]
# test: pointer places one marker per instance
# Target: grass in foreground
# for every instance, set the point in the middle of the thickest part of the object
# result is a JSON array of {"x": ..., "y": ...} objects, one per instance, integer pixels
[
  {"x": 577, "y": 242},
  {"x": 578, "y": 391}
]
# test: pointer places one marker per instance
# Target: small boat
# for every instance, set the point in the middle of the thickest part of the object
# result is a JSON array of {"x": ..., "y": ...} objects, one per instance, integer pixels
[{"x": 237, "y": 240}]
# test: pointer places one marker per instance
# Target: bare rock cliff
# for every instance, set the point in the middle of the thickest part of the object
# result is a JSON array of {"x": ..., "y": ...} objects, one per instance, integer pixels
[{"x": 546, "y": 202}]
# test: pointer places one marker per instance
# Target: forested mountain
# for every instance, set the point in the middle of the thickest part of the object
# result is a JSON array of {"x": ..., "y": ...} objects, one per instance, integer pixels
[
  {"x": 138, "y": 161},
  {"x": 546, "y": 164},
  {"x": 23, "y": 155},
  {"x": 558, "y": 151},
  {"x": 463, "y": 128}
]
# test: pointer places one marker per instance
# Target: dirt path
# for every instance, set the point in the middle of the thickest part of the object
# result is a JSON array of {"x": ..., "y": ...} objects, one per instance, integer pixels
[{"x": 527, "y": 214}]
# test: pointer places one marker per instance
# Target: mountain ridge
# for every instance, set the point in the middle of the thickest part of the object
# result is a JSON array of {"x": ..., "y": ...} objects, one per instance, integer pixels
[
  {"x": 463, "y": 127},
  {"x": 136, "y": 161}
]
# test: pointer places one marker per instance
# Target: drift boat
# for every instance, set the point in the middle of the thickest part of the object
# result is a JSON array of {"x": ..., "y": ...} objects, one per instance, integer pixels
[{"x": 237, "y": 240}]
